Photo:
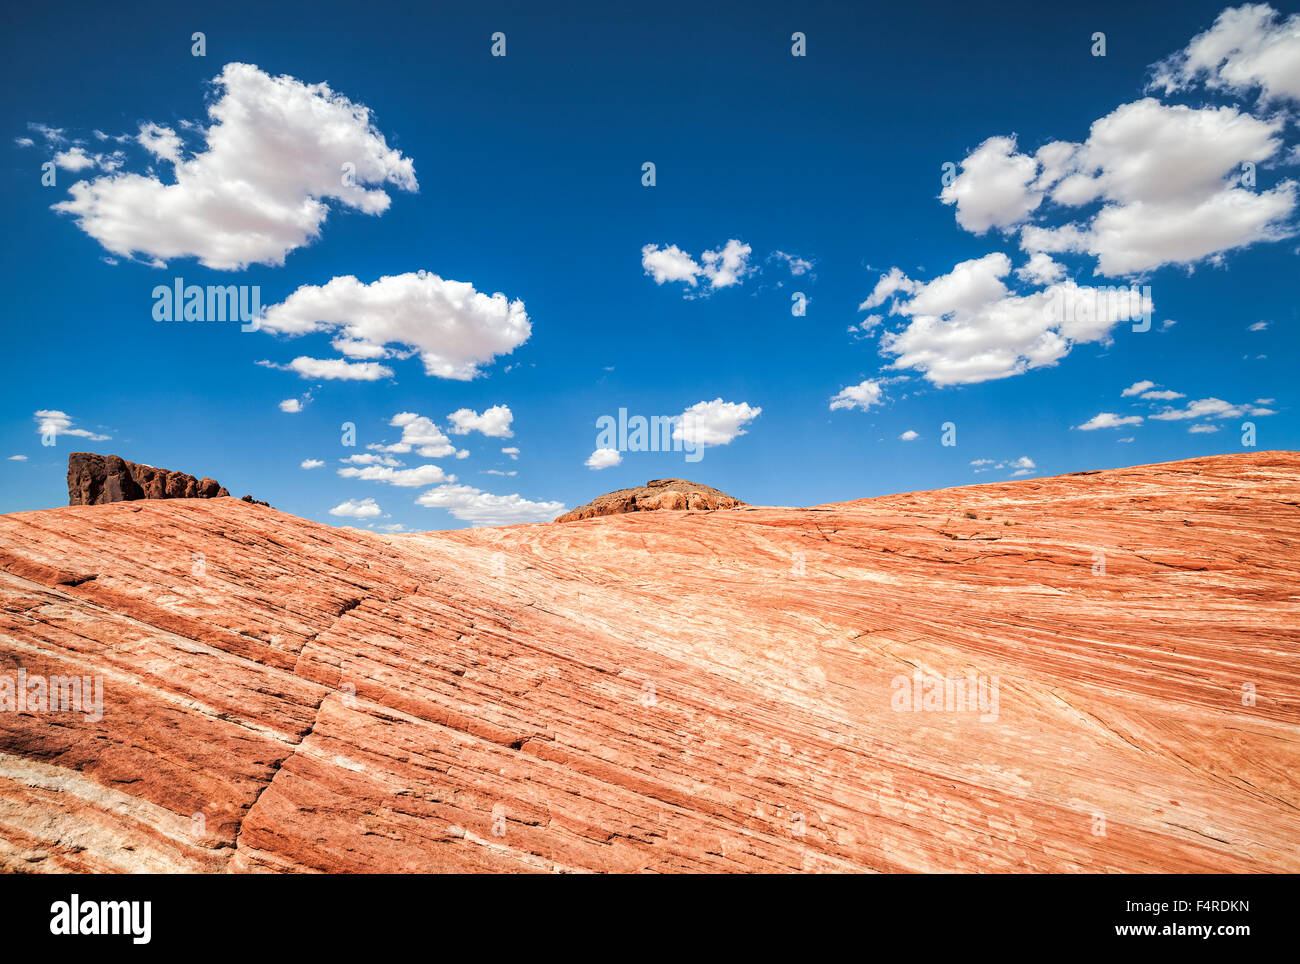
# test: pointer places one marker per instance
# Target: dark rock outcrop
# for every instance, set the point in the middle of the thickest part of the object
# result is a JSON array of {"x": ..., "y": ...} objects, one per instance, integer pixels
[
  {"x": 655, "y": 494},
  {"x": 99, "y": 479}
]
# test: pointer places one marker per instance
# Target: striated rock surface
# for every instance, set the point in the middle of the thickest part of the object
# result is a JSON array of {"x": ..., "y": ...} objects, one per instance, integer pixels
[
  {"x": 655, "y": 494},
  {"x": 99, "y": 479},
  {"x": 670, "y": 691}
]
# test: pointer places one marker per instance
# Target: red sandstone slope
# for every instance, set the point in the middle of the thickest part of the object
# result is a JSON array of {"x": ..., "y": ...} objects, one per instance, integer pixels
[{"x": 669, "y": 691}]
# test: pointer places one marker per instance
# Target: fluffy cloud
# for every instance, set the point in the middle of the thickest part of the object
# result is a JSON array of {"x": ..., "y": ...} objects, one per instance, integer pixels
[
  {"x": 1211, "y": 408},
  {"x": 890, "y": 283},
  {"x": 453, "y": 327},
  {"x": 162, "y": 142},
  {"x": 333, "y": 369},
  {"x": 726, "y": 267},
  {"x": 1040, "y": 269},
  {"x": 1161, "y": 183},
  {"x": 352, "y": 509},
  {"x": 276, "y": 152},
  {"x": 54, "y": 423},
  {"x": 1203, "y": 429},
  {"x": 1137, "y": 388},
  {"x": 1108, "y": 420},
  {"x": 1021, "y": 466},
  {"x": 863, "y": 395},
  {"x": 421, "y": 434},
  {"x": 1249, "y": 47},
  {"x": 669, "y": 264},
  {"x": 1167, "y": 180},
  {"x": 494, "y": 422},
  {"x": 511, "y": 451},
  {"x": 370, "y": 458},
  {"x": 291, "y": 405},
  {"x": 469, "y": 504},
  {"x": 713, "y": 423},
  {"x": 74, "y": 159},
  {"x": 909, "y": 436},
  {"x": 721, "y": 268},
  {"x": 603, "y": 459},
  {"x": 311, "y": 464},
  {"x": 995, "y": 188},
  {"x": 966, "y": 326},
  {"x": 17, "y": 458},
  {"x": 798, "y": 266},
  {"x": 405, "y": 478}
]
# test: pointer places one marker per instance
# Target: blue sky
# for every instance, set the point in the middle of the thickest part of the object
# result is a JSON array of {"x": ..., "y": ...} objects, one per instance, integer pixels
[{"x": 522, "y": 175}]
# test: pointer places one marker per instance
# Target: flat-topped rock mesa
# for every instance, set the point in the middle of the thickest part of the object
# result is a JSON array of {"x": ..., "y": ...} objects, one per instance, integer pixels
[
  {"x": 101, "y": 479},
  {"x": 673, "y": 494}
]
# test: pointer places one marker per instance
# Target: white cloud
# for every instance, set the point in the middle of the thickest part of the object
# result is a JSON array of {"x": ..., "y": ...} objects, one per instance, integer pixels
[
  {"x": 1249, "y": 47},
  {"x": 1203, "y": 429},
  {"x": 722, "y": 268},
  {"x": 369, "y": 458},
  {"x": 291, "y": 405},
  {"x": 1041, "y": 270},
  {"x": 1210, "y": 408},
  {"x": 453, "y": 327},
  {"x": 421, "y": 434},
  {"x": 863, "y": 395},
  {"x": 994, "y": 188},
  {"x": 162, "y": 142},
  {"x": 889, "y": 284},
  {"x": 1109, "y": 420},
  {"x": 469, "y": 504},
  {"x": 798, "y": 266},
  {"x": 275, "y": 155},
  {"x": 1129, "y": 439},
  {"x": 406, "y": 478},
  {"x": 494, "y": 422},
  {"x": 311, "y": 464},
  {"x": 967, "y": 327},
  {"x": 1167, "y": 177},
  {"x": 511, "y": 451},
  {"x": 603, "y": 459},
  {"x": 1258, "y": 326},
  {"x": 1164, "y": 395},
  {"x": 713, "y": 423},
  {"x": 1137, "y": 388},
  {"x": 669, "y": 264},
  {"x": 726, "y": 267},
  {"x": 1022, "y": 466},
  {"x": 53, "y": 423},
  {"x": 909, "y": 436},
  {"x": 74, "y": 159},
  {"x": 364, "y": 509},
  {"x": 17, "y": 458},
  {"x": 332, "y": 368},
  {"x": 864, "y": 328}
]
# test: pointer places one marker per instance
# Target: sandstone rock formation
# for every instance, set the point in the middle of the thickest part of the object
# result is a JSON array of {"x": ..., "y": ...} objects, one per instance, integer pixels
[
  {"x": 668, "y": 691},
  {"x": 99, "y": 479},
  {"x": 655, "y": 494}
]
